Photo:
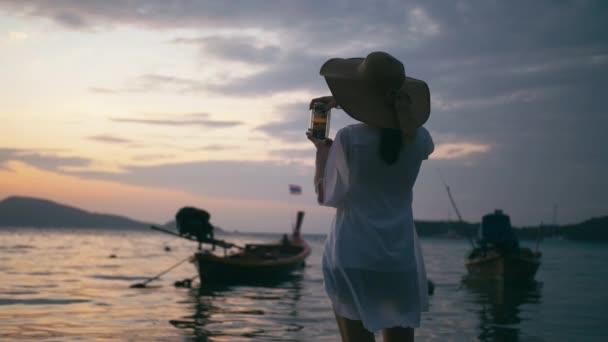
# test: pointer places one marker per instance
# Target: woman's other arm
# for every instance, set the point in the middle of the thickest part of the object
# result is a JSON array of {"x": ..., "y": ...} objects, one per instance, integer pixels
[
  {"x": 322, "y": 149},
  {"x": 320, "y": 162}
]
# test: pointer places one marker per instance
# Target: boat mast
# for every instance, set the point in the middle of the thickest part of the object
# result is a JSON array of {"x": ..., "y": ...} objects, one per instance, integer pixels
[{"x": 460, "y": 220}]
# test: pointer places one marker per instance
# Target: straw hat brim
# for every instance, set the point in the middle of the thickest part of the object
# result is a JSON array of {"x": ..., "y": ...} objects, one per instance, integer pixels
[{"x": 360, "y": 100}]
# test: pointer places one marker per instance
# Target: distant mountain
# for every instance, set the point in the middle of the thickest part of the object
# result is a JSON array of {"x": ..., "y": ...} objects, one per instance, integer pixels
[
  {"x": 18, "y": 211},
  {"x": 594, "y": 229}
]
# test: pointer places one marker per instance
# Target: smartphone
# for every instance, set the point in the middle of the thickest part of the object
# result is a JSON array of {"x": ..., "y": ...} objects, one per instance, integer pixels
[{"x": 320, "y": 115}]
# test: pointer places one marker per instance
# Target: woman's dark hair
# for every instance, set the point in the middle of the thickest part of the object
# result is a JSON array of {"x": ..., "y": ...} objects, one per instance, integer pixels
[{"x": 390, "y": 145}]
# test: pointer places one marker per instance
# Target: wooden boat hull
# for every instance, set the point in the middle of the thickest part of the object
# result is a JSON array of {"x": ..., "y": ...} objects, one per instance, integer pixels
[
  {"x": 522, "y": 265},
  {"x": 259, "y": 262}
]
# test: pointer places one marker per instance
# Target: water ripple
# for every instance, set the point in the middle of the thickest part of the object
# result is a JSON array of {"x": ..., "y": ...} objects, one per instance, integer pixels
[
  {"x": 52, "y": 288},
  {"x": 41, "y": 301}
]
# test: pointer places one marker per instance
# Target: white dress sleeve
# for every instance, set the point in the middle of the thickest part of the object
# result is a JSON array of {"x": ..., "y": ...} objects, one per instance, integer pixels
[{"x": 336, "y": 176}]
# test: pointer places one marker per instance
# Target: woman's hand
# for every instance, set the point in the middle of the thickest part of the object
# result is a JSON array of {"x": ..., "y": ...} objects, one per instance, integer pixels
[
  {"x": 328, "y": 100},
  {"x": 319, "y": 143}
]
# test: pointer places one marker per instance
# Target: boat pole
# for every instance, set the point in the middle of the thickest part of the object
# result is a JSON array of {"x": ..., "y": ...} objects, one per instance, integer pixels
[
  {"x": 447, "y": 188},
  {"x": 220, "y": 243},
  {"x": 143, "y": 284}
]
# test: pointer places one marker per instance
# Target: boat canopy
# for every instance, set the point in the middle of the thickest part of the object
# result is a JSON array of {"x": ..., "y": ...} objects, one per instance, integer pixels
[{"x": 496, "y": 229}]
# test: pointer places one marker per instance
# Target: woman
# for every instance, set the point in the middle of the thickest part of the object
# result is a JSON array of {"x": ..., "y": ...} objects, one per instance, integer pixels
[{"x": 372, "y": 265}]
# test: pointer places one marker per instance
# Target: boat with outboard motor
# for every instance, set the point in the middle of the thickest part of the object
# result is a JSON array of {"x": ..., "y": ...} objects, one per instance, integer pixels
[
  {"x": 252, "y": 262},
  {"x": 255, "y": 261},
  {"x": 497, "y": 252}
]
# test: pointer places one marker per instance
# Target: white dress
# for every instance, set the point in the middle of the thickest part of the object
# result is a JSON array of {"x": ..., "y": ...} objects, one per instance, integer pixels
[{"x": 372, "y": 264}]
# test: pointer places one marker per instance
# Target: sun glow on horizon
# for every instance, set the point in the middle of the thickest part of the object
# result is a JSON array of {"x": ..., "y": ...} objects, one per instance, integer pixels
[{"x": 147, "y": 204}]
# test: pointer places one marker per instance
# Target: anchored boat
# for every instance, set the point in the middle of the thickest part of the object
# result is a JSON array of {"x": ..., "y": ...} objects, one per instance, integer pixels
[
  {"x": 256, "y": 262},
  {"x": 259, "y": 261},
  {"x": 498, "y": 253}
]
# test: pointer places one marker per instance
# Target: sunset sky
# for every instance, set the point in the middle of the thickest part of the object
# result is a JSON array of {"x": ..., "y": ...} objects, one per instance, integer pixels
[{"x": 140, "y": 107}]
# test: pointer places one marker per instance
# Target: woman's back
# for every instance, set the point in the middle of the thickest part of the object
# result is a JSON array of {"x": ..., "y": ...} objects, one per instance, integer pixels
[
  {"x": 374, "y": 225},
  {"x": 376, "y": 185}
]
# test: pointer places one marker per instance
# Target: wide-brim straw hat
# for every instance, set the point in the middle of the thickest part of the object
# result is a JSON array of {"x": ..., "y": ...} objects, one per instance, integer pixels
[{"x": 376, "y": 91}]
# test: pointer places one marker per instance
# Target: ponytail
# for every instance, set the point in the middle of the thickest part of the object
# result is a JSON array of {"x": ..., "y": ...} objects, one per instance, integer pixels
[{"x": 391, "y": 143}]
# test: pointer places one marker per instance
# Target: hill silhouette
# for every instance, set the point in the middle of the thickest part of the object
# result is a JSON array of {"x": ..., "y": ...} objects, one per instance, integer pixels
[
  {"x": 595, "y": 229},
  {"x": 16, "y": 211}
]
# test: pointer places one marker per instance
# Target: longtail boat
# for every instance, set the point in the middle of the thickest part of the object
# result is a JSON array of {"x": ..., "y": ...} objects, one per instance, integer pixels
[
  {"x": 498, "y": 254},
  {"x": 255, "y": 261}
]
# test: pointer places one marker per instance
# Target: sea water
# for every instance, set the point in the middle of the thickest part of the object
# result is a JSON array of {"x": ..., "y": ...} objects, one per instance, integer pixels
[{"x": 63, "y": 285}]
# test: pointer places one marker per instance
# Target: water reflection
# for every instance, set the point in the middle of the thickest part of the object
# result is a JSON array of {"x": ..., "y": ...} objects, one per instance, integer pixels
[
  {"x": 500, "y": 304},
  {"x": 263, "y": 309}
]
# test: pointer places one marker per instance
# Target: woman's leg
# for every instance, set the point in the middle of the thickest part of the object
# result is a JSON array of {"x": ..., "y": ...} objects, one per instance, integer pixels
[
  {"x": 353, "y": 331},
  {"x": 398, "y": 334}
]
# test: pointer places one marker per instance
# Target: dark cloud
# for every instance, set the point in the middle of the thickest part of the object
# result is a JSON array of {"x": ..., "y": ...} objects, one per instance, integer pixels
[
  {"x": 41, "y": 159},
  {"x": 237, "y": 48},
  {"x": 106, "y": 138},
  {"x": 70, "y": 20},
  {"x": 525, "y": 78},
  {"x": 296, "y": 70},
  {"x": 197, "y": 119},
  {"x": 160, "y": 14}
]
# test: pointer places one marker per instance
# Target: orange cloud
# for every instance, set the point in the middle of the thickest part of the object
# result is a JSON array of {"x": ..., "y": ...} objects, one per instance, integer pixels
[{"x": 458, "y": 150}]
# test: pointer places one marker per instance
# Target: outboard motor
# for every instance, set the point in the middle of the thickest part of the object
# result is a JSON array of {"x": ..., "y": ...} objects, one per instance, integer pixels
[
  {"x": 193, "y": 222},
  {"x": 496, "y": 230}
]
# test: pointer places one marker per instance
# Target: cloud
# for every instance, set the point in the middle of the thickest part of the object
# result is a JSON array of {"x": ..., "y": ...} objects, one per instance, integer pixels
[
  {"x": 106, "y": 138},
  {"x": 524, "y": 79},
  {"x": 155, "y": 83},
  {"x": 102, "y": 90},
  {"x": 42, "y": 159},
  {"x": 152, "y": 157},
  {"x": 70, "y": 19},
  {"x": 458, "y": 150},
  {"x": 302, "y": 154},
  {"x": 194, "y": 119},
  {"x": 420, "y": 23},
  {"x": 216, "y": 147},
  {"x": 240, "y": 48},
  {"x": 265, "y": 180},
  {"x": 159, "y": 14},
  {"x": 295, "y": 70},
  {"x": 300, "y": 46}
]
